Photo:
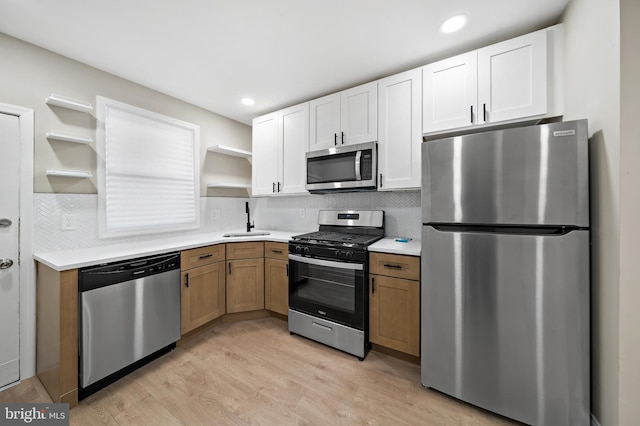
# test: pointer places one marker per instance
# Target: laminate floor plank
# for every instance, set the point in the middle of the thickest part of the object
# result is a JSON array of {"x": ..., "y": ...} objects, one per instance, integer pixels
[{"x": 255, "y": 373}]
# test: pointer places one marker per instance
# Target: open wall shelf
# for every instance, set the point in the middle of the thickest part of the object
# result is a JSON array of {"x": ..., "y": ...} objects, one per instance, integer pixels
[
  {"x": 69, "y": 103},
  {"x": 229, "y": 185},
  {"x": 60, "y": 136},
  {"x": 81, "y": 174},
  {"x": 227, "y": 150}
]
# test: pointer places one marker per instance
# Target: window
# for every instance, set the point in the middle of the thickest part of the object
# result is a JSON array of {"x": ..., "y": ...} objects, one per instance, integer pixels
[{"x": 148, "y": 169}]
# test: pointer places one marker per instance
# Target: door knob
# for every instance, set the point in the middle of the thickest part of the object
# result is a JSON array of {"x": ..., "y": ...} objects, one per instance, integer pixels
[
  {"x": 6, "y": 263},
  {"x": 4, "y": 222}
]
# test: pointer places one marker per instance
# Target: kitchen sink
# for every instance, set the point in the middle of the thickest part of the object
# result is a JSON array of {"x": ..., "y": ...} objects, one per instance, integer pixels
[{"x": 247, "y": 234}]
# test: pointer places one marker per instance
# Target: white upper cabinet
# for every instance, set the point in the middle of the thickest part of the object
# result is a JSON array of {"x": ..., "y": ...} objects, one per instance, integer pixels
[
  {"x": 450, "y": 93},
  {"x": 347, "y": 117},
  {"x": 511, "y": 81},
  {"x": 280, "y": 141},
  {"x": 293, "y": 132},
  {"x": 512, "y": 78},
  {"x": 266, "y": 154},
  {"x": 359, "y": 114},
  {"x": 324, "y": 122},
  {"x": 400, "y": 131}
]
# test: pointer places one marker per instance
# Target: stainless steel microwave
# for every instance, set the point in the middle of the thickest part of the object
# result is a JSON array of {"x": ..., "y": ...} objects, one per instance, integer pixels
[{"x": 343, "y": 168}]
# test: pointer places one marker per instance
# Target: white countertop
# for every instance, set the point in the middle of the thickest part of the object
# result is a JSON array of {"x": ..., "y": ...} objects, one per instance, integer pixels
[
  {"x": 71, "y": 259},
  {"x": 63, "y": 260},
  {"x": 390, "y": 245}
]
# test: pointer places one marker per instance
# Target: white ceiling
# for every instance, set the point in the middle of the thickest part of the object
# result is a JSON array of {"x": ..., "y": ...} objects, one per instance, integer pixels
[{"x": 211, "y": 53}]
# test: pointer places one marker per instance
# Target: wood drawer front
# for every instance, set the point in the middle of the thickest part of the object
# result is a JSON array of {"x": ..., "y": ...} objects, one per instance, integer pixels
[
  {"x": 201, "y": 256},
  {"x": 276, "y": 250},
  {"x": 247, "y": 250},
  {"x": 395, "y": 265}
]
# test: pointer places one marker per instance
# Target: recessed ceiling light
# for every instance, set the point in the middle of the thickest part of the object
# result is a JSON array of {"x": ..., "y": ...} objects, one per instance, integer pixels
[
  {"x": 453, "y": 24},
  {"x": 247, "y": 101}
]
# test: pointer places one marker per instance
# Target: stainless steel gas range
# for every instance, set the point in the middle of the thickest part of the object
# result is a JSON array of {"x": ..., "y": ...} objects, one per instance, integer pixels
[{"x": 328, "y": 276}]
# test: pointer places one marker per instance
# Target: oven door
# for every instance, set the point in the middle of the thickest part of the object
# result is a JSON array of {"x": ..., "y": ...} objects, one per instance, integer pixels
[{"x": 328, "y": 289}]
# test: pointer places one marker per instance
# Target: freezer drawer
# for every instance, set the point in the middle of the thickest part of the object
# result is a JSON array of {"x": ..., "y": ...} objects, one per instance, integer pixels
[
  {"x": 330, "y": 333},
  {"x": 505, "y": 322},
  {"x": 536, "y": 175}
]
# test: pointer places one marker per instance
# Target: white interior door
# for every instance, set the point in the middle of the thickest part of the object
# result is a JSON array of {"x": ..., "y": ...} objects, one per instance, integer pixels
[{"x": 9, "y": 268}]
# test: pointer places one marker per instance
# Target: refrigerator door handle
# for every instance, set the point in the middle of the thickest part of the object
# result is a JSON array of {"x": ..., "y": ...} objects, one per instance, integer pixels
[{"x": 507, "y": 229}]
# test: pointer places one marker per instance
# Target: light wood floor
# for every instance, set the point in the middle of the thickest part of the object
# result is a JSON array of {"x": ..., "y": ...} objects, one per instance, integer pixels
[{"x": 254, "y": 372}]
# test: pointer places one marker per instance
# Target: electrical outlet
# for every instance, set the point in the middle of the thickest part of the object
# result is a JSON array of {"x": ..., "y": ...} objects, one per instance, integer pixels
[
  {"x": 302, "y": 212},
  {"x": 68, "y": 222},
  {"x": 215, "y": 214}
]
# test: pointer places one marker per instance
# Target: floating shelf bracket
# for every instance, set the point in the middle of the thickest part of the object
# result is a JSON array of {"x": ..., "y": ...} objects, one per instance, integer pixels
[{"x": 69, "y": 103}]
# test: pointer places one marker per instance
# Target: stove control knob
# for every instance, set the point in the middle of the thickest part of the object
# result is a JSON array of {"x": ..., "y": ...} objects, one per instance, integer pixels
[
  {"x": 307, "y": 250},
  {"x": 348, "y": 254},
  {"x": 298, "y": 249}
]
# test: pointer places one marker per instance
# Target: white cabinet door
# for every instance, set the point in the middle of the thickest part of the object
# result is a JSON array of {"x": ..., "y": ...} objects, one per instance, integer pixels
[
  {"x": 293, "y": 132},
  {"x": 400, "y": 132},
  {"x": 324, "y": 122},
  {"x": 358, "y": 114},
  {"x": 347, "y": 117},
  {"x": 450, "y": 93},
  {"x": 512, "y": 78},
  {"x": 9, "y": 250},
  {"x": 266, "y": 155}
]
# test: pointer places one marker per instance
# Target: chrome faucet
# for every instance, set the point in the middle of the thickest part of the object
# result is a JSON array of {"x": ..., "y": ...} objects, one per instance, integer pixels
[{"x": 249, "y": 225}]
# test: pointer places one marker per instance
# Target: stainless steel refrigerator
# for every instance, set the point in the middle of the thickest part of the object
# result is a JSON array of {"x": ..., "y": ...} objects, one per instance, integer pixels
[{"x": 505, "y": 271}]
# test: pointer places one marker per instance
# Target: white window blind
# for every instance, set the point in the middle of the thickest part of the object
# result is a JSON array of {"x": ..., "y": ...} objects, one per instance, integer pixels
[{"x": 148, "y": 171}]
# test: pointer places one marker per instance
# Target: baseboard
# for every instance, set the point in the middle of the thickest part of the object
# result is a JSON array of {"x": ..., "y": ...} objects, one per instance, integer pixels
[
  {"x": 396, "y": 354},
  {"x": 594, "y": 420}
]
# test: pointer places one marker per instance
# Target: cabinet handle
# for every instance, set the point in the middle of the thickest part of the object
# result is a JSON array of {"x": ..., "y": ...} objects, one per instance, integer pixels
[
  {"x": 373, "y": 285},
  {"x": 380, "y": 180},
  {"x": 388, "y": 265},
  {"x": 278, "y": 186},
  {"x": 471, "y": 114},
  {"x": 206, "y": 256},
  {"x": 335, "y": 139},
  {"x": 273, "y": 187},
  {"x": 276, "y": 251},
  {"x": 484, "y": 112},
  {"x": 229, "y": 268},
  {"x": 342, "y": 138},
  {"x": 287, "y": 269},
  {"x": 186, "y": 280}
]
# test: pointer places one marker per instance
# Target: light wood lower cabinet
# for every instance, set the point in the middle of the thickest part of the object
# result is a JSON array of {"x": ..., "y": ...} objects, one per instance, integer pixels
[
  {"x": 276, "y": 277},
  {"x": 57, "y": 333},
  {"x": 394, "y": 302},
  {"x": 245, "y": 277},
  {"x": 203, "y": 289}
]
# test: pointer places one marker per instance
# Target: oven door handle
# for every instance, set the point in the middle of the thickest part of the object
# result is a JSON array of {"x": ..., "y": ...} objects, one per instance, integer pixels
[{"x": 327, "y": 263}]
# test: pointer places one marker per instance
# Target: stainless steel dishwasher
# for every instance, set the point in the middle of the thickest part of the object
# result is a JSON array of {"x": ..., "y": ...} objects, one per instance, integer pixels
[{"x": 129, "y": 315}]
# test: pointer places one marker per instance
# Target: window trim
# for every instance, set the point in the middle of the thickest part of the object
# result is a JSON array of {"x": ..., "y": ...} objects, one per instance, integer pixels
[{"x": 103, "y": 104}]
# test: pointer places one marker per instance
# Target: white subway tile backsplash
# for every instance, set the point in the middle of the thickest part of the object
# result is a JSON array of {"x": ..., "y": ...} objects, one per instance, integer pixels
[
  {"x": 402, "y": 210},
  {"x": 217, "y": 214}
]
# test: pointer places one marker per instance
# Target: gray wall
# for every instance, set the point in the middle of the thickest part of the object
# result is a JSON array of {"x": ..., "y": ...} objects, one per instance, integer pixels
[
  {"x": 30, "y": 74},
  {"x": 629, "y": 213},
  {"x": 602, "y": 68}
]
